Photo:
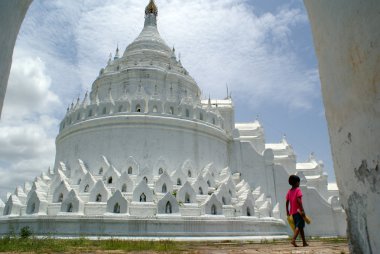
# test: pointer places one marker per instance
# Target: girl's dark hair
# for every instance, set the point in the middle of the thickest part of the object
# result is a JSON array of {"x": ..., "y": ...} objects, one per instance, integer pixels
[{"x": 293, "y": 179}]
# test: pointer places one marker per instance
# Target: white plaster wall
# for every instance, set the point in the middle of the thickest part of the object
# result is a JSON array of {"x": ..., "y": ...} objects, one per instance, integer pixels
[
  {"x": 12, "y": 13},
  {"x": 251, "y": 165},
  {"x": 147, "y": 139},
  {"x": 347, "y": 41},
  {"x": 202, "y": 226},
  {"x": 259, "y": 170},
  {"x": 326, "y": 220}
]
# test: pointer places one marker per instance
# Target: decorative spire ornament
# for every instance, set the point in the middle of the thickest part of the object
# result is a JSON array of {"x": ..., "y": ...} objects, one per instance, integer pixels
[
  {"x": 117, "y": 52},
  {"x": 151, "y": 8},
  {"x": 151, "y": 13},
  {"x": 284, "y": 139},
  {"x": 110, "y": 58},
  {"x": 173, "y": 54},
  {"x": 179, "y": 60},
  {"x": 312, "y": 156},
  {"x": 77, "y": 104},
  {"x": 85, "y": 100},
  {"x": 179, "y": 57},
  {"x": 228, "y": 92}
]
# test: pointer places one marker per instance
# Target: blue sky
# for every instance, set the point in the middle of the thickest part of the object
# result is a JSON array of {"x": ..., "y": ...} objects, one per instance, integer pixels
[{"x": 262, "y": 49}]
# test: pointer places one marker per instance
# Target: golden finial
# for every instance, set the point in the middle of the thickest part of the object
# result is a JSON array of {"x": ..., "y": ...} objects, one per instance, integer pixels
[{"x": 151, "y": 8}]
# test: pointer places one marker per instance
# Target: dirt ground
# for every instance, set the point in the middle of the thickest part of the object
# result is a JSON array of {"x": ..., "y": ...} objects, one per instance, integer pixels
[
  {"x": 283, "y": 247},
  {"x": 316, "y": 247}
]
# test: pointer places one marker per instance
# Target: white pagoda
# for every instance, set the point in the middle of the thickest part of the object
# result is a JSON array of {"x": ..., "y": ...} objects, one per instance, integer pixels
[{"x": 143, "y": 155}]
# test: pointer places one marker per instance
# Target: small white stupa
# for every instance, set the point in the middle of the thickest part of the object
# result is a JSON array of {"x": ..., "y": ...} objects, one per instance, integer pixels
[{"x": 143, "y": 155}]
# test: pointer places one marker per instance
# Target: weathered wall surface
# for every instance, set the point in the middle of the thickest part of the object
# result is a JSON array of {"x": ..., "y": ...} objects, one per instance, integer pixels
[
  {"x": 12, "y": 13},
  {"x": 347, "y": 41}
]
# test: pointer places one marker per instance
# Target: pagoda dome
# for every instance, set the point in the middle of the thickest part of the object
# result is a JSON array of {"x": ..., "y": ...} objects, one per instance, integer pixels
[
  {"x": 161, "y": 76},
  {"x": 149, "y": 38}
]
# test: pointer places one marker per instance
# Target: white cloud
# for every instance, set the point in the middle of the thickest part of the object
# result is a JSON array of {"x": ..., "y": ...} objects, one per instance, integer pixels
[
  {"x": 28, "y": 90},
  {"x": 27, "y": 127}
]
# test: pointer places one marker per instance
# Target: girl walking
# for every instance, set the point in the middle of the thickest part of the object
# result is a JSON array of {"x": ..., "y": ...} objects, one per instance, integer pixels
[{"x": 294, "y": 199}]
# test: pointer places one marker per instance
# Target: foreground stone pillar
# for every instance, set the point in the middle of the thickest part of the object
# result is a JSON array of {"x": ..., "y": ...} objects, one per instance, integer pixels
[
  {"x": 347, "y": 41},
  {"x": 12, "y": 13}
]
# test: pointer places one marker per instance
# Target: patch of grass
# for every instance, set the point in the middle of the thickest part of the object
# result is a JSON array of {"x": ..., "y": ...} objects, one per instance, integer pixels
[
  {"x": 115, "y": 244},
  {"x": 9, "y": 244},
  {"x": 25, "y": 232}
]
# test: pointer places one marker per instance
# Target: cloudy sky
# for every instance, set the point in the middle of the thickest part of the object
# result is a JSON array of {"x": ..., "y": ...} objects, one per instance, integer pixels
[{"x": 261, "y": 49}]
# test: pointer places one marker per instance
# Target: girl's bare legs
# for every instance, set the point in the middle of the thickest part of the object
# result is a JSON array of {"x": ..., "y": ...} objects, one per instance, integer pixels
[
  {"x": 303, "y": 237},
  {"x": 296, "y": 232}
]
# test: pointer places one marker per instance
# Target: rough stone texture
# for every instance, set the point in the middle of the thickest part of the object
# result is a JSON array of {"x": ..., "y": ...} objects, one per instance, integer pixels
[
  {"x": 12, "y": 13},
  {"x": 347, "y": 42}
]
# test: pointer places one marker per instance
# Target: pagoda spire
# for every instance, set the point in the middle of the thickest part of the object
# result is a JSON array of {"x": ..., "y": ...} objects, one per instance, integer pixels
[
  {"x": 151, "y": 13},
  {"x": 151, "y": 8}
]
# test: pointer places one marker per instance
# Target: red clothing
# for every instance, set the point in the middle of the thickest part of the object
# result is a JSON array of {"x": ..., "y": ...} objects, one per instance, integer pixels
[{"x": 292, "y": 196}]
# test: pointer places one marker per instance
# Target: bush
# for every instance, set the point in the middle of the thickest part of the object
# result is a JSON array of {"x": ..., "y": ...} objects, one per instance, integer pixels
[{"x": 25, "y": 232}]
